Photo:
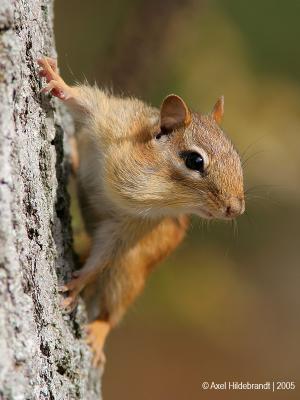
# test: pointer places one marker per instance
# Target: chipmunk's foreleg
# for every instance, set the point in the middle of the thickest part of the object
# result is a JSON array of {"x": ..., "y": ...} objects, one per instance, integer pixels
[{"x": 55, "y": 84}]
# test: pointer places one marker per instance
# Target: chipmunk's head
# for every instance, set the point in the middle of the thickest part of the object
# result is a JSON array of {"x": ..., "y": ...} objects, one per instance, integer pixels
[
  {"x": 204, "y": 170},
  {"x": 187, "y": 166}
]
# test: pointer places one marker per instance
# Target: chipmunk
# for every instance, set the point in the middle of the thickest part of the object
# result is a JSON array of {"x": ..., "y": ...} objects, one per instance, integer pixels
[{"x": 142, "y": 172}]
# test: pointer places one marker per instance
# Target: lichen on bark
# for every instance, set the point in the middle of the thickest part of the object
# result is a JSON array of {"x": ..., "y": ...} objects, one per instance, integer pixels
[{"x": 42, "y": 350}]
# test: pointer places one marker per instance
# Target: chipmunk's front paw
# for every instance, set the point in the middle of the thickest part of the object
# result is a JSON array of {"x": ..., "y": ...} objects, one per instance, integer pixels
[
  {"x": 72, "y": 290},
  {"x": 55, "y": 84},
  {"x": 96, "y": 334},
  {"x": 56, "y": 89},
  {"x": 69, "y": 302}
]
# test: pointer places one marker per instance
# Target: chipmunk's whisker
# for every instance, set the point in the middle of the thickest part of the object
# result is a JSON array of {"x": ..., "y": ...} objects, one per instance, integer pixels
[{"x": 251, "y": 156}]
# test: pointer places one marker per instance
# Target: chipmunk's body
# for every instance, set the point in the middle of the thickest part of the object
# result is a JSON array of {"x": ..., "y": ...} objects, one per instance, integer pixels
[{"x": 141, "y": 171}]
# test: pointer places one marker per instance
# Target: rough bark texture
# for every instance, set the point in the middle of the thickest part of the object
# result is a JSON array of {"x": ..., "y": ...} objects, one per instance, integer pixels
[{"x": 42, "y": 351}]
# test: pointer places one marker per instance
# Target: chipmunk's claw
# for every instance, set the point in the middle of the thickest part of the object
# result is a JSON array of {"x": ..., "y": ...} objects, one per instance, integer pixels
[
  {"x": 55, "y": 88},
  {"x": 55, "y": 84},
  {"x": 72, "y": 288},
  {"x": 96, "y": 334},
  {"x": 62, "y": 289},
  {"x": 69, "y": 303},
  {"x": 99, "y": 358},
  {"x": 48, "y": 61}
]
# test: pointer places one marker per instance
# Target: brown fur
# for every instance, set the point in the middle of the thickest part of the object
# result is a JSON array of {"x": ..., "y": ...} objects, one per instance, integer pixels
[{"x": 135, "y": 188}]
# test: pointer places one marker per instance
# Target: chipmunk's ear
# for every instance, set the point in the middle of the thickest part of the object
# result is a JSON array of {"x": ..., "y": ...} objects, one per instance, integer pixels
[
  {"x": 218, "y": 110},
  {"x": 174, "y": 113}
]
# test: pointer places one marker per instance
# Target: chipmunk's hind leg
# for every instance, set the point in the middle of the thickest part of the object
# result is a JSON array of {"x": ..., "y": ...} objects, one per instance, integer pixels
[
  {"x": 92, "y": 267},
  {"x": 96, "y": 334}
]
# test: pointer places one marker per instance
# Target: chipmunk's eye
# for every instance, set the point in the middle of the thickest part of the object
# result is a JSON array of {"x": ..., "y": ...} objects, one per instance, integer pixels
[{"x": 194, "y": 160}]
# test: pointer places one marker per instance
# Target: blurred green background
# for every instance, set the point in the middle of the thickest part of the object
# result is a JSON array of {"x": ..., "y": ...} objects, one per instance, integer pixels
[{"x": 225, "y": 306}]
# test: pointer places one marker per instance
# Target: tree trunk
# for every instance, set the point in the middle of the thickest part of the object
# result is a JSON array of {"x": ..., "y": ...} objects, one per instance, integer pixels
[{"x": 42, "y": 350}]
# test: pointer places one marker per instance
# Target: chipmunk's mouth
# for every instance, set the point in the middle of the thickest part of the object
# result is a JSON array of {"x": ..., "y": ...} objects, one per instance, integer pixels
[{"x": 201, "y": 212}]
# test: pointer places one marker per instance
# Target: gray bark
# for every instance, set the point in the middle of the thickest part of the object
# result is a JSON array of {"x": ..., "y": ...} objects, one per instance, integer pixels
[{"x": 42, "y": 350}]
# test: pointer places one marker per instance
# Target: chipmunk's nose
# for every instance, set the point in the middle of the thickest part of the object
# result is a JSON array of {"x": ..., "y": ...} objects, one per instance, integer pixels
[{"x": 235, "y": 207}]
